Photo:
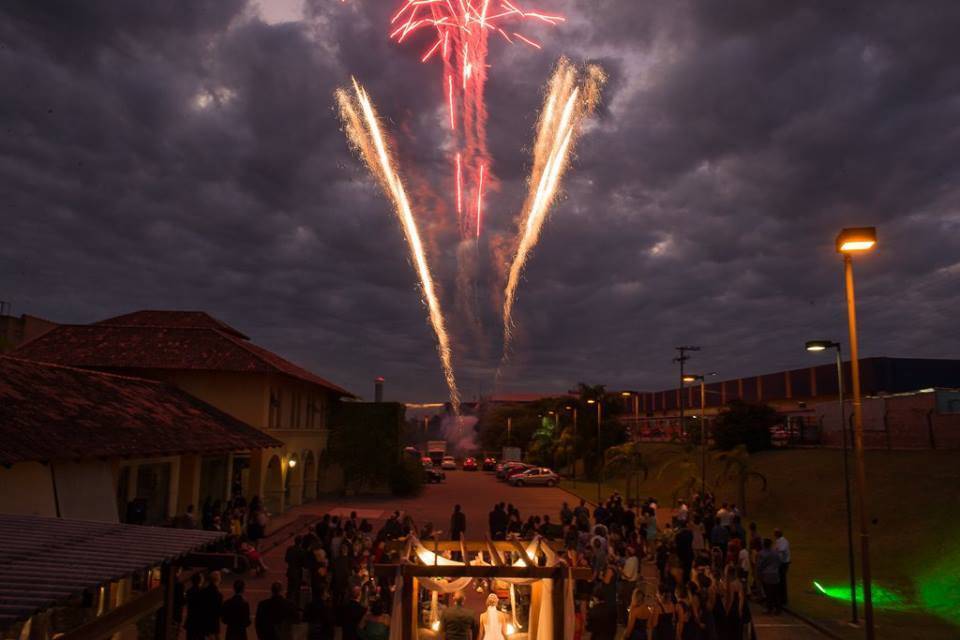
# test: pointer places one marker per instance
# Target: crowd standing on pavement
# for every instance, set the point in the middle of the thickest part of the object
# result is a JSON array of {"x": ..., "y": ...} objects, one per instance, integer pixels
[{"x": 692, "y": 576}]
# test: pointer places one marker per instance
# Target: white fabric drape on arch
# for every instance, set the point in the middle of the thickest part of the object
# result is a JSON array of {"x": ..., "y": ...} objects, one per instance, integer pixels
[{"x": 541, "y": 602}]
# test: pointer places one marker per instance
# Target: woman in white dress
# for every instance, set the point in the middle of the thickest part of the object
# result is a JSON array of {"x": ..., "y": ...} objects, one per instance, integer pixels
[{"x": 493, "y": 622}]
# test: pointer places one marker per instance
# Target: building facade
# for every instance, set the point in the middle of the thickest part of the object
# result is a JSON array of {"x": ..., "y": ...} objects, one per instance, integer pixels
[
  {"x": 89, "y": 445},
  {"x": 221, "y": 366},
  {"x": 807, "y": 399}
]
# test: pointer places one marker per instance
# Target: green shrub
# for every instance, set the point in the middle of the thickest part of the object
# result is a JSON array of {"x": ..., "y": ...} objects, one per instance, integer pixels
[
  {"x": 406, "y": 477},
  {"x": 745, "y": 423}
]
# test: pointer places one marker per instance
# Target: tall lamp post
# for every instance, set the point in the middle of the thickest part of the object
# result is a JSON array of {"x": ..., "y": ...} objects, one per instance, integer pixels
[
  {"x": 636, "y": 407},
  {"x": 599, "y": 402},
  {"x": 683, "y": 357},
  {"x": 703, "y": 425},
  {"x": 823, "y": 345},
  {"x": 574, "y": 409},
  {"x": 850, "y": 241}
]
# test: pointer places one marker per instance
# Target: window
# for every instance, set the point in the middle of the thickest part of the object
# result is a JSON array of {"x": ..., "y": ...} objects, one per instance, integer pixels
[
  {"x": 311, "y": 411},
  {"x": 273, "y": 420},
  {"x": 296, "y": 409}
]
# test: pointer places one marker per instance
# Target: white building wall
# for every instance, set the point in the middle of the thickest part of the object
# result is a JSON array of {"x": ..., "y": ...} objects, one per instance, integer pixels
[
  {"x": 26, "y": 490},
  {"x": 86, "y": 490}
]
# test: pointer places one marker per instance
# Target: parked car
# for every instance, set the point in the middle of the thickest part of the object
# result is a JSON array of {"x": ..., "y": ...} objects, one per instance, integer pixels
[
  {"x": 427, "y": 461},
  {"x": 432, "y": 475},
  {"x": 516, "y": 469},
  {"x": 535, "y": 476},
  {"x": 470, "y": 464},
  {"x": 489, "y": 464},
  {"x": 449, "y": 462},
  {"x": 507, "y": 467}
]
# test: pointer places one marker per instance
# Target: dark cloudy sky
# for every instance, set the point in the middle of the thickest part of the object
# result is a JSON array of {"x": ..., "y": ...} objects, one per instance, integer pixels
[{"x": 185, "y": 154}]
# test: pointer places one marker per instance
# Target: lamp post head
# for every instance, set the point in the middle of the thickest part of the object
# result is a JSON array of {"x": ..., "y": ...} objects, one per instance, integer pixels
[
  {"x": 626, "y": 394},
  {"x": 820, "y": 345},
  {"x": 591, "y": 401},
  {"x": 691, "y": 378},
  {"x": 855, "y": 239}
]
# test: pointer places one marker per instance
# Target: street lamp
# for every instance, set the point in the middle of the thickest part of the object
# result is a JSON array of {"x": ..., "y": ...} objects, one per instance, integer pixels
[
  {"x": 683, "y": 357},
  {"x": 850, "y": 241},
  {"x": 703, "y": 425},
  {"x": 574, "y": 409},
  {"x": 599, "y": 403},
  {"x": 823, "y": 345},
  {"x": 636, "y": 406}
]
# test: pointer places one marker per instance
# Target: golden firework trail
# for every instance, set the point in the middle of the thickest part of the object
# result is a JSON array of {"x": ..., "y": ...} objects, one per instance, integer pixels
[
  {"x": 362, "y": 127},
  {"x": 571, "y": 98}
]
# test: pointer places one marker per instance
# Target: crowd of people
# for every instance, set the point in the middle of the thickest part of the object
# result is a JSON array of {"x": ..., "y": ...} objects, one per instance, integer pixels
[
  {"x": 707, "y": 570},
  {"x": 691, "y": 576},
  {"x": 329, "y": 584}
]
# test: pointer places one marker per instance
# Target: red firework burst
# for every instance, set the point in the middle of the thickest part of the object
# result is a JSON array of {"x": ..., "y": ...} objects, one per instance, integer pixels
[{"x": 462, "y": 29}]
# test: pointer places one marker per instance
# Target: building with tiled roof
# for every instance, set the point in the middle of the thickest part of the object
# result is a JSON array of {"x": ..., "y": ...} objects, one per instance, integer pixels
[
  {"x": 215, "y": 362},
  {"x": 71, "y": 440},
  {"x": 172, "y": 319}
]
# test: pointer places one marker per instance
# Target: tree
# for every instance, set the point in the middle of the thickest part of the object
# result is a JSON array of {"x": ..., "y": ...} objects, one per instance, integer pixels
[
  {"x": 627, "y": 460},
  {"x": 736, "y": 466},
  {"x": 565, "y": 449},
  {"x": 542, "y": 445},
  {"x": 744, "y": 423},
  {"x": 689, "y": 465}
]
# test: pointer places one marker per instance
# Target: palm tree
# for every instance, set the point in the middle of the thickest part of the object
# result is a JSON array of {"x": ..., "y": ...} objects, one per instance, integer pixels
[
  {"x": 689, "y": 465},
  {"x": 565, "y": 449},
  {"x": 627, "y": 460},
  {"x": 736, "y": 466},
  {"x": 542, "y": 441}
]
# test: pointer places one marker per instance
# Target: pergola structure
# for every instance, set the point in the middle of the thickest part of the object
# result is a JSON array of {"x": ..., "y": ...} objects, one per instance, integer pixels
[
  {"x": 535, "y": 563},
  {"x": 73, "y": 579}
]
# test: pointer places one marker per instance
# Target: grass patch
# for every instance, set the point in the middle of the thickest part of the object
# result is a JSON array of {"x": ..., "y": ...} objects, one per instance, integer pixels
[{"x": 912, "y": 503}]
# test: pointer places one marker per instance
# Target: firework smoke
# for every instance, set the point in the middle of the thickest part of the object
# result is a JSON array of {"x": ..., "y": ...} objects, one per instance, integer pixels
[
  {"x": 363, "y": 130},
  {"x": 571, "y": 98}
]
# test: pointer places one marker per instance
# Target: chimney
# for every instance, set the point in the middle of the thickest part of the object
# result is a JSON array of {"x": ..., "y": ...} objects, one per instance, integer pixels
[{"x": 378, "y": 389}]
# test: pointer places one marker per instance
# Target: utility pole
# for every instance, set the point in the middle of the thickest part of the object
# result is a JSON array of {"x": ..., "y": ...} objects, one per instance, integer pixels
[{"x": 682, "y": 358}]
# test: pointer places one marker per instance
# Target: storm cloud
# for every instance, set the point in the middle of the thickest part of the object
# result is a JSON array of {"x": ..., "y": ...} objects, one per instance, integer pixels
[{"x": 186, "y": 154}]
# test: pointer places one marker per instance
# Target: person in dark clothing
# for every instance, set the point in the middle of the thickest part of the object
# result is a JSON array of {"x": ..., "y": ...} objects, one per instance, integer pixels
[
  {"x": 212, "y": 601},
  {"x": 318, "y": 615},
  {"x": 342, "y": 566},
  {"x": 273, "y": 614},
  {"x": 194, "y": 601},
  {"x": 684, "y": 544},
  {"x": 295, "y": 559},
  {"x": 457, "y": 622},
  {"x": 458, "y": 523},
  {"x": 179, "y": 602},
  {"x": 498, "y": 522},
  {"x": 350, "y": 615},
  {"x": 235, "y": 613},
  {"x": 663, "y": 623},
  {"x": 602, "y": 619}
]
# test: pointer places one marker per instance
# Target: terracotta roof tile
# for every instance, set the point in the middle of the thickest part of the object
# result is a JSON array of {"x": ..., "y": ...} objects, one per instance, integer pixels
[
  {"x": 118, "y": 347},
  {"x": 52, "y": 412},
  {"x": 172, "y": 319}
]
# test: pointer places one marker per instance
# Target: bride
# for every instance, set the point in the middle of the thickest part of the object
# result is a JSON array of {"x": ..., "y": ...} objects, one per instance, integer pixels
[{"x": 493, "y": 622}]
